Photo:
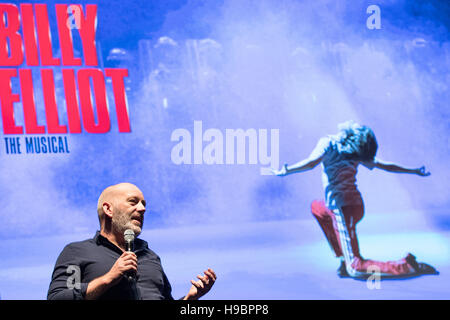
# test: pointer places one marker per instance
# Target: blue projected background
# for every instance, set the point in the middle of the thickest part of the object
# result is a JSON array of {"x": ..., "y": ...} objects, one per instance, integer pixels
[{"x": 290, "y": 69}]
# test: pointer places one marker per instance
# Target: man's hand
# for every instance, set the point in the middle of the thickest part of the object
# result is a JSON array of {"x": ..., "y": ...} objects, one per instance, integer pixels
[
  {"x": 202, "y": 286},
  {"x": 126, "y": 263},
  {"x": 281, "y": 172},
  {"x": 422, "y": 172}
]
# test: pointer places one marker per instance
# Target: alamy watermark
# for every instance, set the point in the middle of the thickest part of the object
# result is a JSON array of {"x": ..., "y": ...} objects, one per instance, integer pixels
[
  {"x": 374, "y": 20},
  {"x": 374, "y": 280},
  {"x": 74, "y": 19},
  {"x": 234, "y": 146},
  {"x": 74, "y": 280}
]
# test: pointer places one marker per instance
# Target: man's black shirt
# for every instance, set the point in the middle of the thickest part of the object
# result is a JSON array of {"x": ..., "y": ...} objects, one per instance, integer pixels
[{"x": 93, "y": 258}]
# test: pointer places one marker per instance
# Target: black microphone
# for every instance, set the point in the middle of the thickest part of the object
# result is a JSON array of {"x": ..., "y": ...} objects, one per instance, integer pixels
[{"x": 128, "y": 236}]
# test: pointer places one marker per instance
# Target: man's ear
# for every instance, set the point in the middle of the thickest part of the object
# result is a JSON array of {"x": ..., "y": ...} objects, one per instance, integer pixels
[{"x": 107, "y": 209}]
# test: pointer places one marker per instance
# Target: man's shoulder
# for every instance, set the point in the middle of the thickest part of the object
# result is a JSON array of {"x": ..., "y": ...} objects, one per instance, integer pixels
[
  {"x": 74, "y": 251},
  {"x": 79, "y": 245}
]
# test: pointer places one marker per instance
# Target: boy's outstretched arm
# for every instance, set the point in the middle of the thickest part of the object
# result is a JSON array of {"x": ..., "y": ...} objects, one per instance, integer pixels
[
  {"x": 309, "y": 163},
  {"x": 301, "y": 166},
  {"x": 392, "y": 167}
]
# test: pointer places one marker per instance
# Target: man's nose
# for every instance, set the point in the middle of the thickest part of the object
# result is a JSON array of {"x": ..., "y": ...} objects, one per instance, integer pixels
[{"x": 141, "y": 207}]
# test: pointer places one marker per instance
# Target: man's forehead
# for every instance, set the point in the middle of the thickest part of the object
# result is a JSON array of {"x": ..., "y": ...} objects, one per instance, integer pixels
[
  {"x": 128, "y": 189},
  {"x": 124, "y": 190}
]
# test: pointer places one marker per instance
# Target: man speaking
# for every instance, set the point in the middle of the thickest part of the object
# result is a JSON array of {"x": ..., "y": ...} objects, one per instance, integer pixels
[{"x": 115, "y": 264}]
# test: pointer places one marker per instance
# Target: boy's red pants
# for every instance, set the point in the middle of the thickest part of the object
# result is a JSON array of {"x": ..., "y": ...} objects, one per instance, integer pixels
[{"x": 339, "y": 227}]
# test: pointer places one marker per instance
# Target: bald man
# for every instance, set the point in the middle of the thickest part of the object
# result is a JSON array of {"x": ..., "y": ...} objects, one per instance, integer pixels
[{"x": 102, "y": 268}]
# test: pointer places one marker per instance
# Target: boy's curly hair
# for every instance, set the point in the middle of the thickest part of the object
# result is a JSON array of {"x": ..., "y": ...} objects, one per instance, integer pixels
[{"x": 358, "y": 142}]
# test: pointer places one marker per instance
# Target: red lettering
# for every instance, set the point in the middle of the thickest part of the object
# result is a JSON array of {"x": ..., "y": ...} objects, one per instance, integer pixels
[
  {"x": 29, "y": 35},
  {"x": 9, "y": 15},
  {"x": 117, "y": 77},
  {"x": 12, "y": 49},
  {"x": 51, "y": 109},
  {"x": 28, "y": 103},
  {"x": 65, "y": 37},
  {"x": 70, "y": 90},
  {"x": 7, "y": 99},
  {"x": 44, "y": 36},
  {"x": 88, "y": 26},
  {"x": 87, "y": 110}
]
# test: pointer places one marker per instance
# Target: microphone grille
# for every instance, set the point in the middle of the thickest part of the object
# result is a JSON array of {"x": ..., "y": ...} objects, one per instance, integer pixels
[{"x": 128, "y": 235}]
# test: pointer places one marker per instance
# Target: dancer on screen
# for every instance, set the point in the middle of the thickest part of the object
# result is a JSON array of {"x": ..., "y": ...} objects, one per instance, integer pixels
[{"x": 343, "y": 208}]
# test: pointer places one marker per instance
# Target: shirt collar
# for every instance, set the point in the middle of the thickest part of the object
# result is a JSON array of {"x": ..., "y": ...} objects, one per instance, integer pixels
[{"x": 139, "y": 244}]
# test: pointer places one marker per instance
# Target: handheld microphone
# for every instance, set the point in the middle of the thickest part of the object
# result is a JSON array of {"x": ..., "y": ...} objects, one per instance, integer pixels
[{"x": 128, "y": 236}]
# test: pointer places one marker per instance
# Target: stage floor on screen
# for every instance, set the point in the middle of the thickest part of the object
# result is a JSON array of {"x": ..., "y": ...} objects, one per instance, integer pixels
[{"x": 287, "y": 259}]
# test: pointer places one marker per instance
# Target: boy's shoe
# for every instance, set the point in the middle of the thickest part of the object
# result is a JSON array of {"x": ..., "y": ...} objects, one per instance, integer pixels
[
  {"x": 342, "y": 271},
  {"x": 420, "y": 267}
]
